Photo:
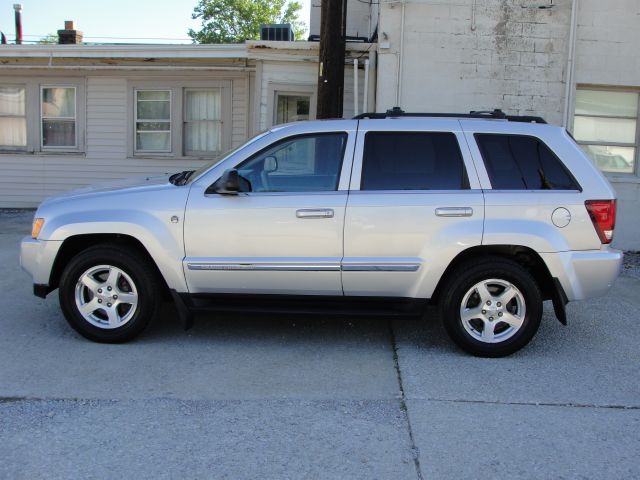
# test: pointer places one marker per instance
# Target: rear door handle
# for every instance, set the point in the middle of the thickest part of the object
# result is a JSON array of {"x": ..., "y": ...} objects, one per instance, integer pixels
[
  {"x": 454, "y": 211},
  {"x": 314, "y": 213}
]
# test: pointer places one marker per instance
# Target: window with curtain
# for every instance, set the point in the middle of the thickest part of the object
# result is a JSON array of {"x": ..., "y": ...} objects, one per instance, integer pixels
[
  {"x": 606, "y": 125},
  {"x": 153, "y": 121},
  {"x": 58, "y": 115},
  {"x": 202, "y": 121},
  {"x": 13, "y": 121}
]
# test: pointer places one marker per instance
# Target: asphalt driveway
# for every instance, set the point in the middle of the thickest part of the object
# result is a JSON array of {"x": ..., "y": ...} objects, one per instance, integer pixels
[{"x": 338, "y": 398}]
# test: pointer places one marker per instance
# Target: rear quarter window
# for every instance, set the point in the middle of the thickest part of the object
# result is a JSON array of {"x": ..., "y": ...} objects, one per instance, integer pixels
[
  {"x": 412, "y": 161},
  {"x": 520, "y": 162}
]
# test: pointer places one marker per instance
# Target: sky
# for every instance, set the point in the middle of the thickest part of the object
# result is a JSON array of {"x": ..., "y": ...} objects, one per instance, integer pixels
[{"x": 111, "y": 21}]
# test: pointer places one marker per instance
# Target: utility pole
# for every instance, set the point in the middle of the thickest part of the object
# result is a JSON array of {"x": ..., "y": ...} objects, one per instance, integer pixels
[{"x": 333, "y": 16}]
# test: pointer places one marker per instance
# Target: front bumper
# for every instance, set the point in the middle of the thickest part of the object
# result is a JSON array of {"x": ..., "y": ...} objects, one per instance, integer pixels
[
  {"x": 36, "y": 258},
  {"x": 585, "y": 274}
]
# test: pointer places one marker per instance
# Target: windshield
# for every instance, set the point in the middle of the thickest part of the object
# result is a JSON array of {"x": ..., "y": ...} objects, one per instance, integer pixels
[{"x": 193, "y": 176}]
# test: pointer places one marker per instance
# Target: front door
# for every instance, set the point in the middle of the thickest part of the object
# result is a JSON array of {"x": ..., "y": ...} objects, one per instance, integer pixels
[{"x": 285, "y": 235}]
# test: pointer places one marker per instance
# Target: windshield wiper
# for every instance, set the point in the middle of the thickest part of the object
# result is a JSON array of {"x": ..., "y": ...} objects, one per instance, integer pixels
[{"x": 181, "y": 178}]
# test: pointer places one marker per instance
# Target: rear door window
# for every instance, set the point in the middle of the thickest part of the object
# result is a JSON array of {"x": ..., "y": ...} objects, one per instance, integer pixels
[
  {"x": 412, "y": 161},
  {"x": 520, "y": 162}
]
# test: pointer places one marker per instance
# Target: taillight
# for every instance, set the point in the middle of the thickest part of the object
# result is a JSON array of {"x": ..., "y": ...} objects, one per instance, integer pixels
[{"x": 603, "y": 216}]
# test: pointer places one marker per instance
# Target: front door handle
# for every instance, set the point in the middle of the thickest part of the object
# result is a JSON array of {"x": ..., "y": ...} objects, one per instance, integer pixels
[
  {"x": 314, "y": 213},
  {"x": 454, "y": 211}
]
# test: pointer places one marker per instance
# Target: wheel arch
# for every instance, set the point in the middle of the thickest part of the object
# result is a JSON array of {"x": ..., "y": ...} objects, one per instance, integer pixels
[
  {"x": 75, "y": 244},
  {"x": 524, "y": 256}
]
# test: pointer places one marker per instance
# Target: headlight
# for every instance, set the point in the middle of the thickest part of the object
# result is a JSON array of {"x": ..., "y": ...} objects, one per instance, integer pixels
[{"x": 38, "y": 223}]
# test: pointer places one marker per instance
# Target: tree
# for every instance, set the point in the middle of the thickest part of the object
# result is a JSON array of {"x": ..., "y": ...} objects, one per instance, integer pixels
[
  {"x": 234, "y": 21},
  {"x": 51, "y": 38}
]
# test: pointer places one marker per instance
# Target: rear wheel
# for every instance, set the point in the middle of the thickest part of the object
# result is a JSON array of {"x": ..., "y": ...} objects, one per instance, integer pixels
[
  {"x": 491, "y": 308},
  {"x": 108, "y": 294}
]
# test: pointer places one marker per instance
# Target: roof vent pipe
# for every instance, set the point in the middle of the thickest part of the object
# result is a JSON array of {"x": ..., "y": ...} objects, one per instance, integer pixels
[{"x": 18, "y": 8}]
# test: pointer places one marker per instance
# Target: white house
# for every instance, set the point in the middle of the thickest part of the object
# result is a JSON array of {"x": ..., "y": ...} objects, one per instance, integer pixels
[{"x": 72, "y": 115}]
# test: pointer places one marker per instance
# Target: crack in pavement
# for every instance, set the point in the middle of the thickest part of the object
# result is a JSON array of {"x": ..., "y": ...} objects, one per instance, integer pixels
[
  {"x": 403, "y": 403},
  {"x": 530, "y": 404}
]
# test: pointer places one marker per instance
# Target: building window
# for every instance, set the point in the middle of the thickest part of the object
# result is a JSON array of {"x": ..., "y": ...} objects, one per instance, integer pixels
[
  {"x": 13, "y": 119},
  {"x": 606, "y": 126},
  {"x": 58, "y": 117},
  {"x": 292, "y": 108},
  {"x": 202, "y": 121},
  {"x": 153, "y": 121}
]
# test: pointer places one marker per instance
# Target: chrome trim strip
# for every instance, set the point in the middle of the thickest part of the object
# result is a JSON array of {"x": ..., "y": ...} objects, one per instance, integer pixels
[
  {"x": 382, "y": 267},
  {"x": 264, "y": 267},
  {"x": 297, "y": 267}
]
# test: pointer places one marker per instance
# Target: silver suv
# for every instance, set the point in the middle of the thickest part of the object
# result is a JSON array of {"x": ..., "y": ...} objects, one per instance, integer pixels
[{"x": 484, "y": 215}]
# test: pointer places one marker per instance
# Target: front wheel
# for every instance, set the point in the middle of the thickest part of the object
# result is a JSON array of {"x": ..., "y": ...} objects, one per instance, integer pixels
[
  {"x": 491, "y": 308},
  {"x": 108, "y": 294}
]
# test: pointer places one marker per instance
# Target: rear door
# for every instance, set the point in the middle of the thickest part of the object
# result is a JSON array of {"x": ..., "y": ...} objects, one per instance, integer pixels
[{"x": 414, "y": 204}]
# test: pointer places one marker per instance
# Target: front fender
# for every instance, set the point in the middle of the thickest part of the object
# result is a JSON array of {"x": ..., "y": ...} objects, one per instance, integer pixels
[{"x": 162, "y": 238}]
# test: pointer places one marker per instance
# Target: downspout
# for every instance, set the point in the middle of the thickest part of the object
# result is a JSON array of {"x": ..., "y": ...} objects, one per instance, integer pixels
[
  {"x": 568, "y": 92},
  {"x": 365, "y": 94},
  {"x": 400, "y": 61},
  {"x": 355, "y": 86}
]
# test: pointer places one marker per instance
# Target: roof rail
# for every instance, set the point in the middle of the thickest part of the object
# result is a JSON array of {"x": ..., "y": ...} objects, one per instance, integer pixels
[{"x": 498, "y": 114}]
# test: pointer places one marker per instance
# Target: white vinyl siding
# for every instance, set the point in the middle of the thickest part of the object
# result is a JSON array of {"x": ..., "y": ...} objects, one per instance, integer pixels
[{"x": 105, "y": 145}]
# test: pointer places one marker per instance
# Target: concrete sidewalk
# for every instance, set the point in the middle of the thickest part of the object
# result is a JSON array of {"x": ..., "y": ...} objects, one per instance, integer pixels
[{"x": 268, "y": 397}]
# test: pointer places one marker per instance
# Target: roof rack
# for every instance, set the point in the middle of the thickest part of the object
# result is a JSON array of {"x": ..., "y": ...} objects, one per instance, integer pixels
[{"x": 498, "y": 114}]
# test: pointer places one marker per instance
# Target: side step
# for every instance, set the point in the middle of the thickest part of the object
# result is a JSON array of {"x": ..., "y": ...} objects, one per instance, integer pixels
[{"x": 187, "y": 304}]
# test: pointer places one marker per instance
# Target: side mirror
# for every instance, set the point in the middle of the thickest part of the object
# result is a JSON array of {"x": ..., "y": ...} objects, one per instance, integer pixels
[
  {"x": 230, "y": 183},
  {"x": 270, "y": 164}
]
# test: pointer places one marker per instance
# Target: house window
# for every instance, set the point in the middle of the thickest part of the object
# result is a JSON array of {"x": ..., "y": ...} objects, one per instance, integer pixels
[
  {"x": 153, "y": 121},
  {"x": 606, "y": 126},
  {"x": 13, "y": 120},
  {"x": 58, "y": 117},
  {"x": 202, "y": 121},
  {"x": 292, "y": 108}
]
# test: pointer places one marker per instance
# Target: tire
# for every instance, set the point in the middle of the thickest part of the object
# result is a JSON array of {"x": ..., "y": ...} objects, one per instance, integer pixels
[
  {"x": 109, "y": 294},
  {"x": 491, "y": 307}
]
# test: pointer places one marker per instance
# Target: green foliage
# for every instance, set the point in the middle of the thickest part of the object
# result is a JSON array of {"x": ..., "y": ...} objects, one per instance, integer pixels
[
  {"x": 50, "y": 39},
  {"x": 234, "y": 21}
]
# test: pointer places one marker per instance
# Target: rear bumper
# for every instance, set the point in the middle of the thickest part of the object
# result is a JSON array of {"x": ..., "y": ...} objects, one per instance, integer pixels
[{"x": 585, "y": 274}]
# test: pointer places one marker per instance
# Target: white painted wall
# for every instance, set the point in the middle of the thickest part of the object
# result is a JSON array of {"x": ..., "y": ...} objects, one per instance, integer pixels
[
  {"x": 607, "y": 44},
  {"x": 458, "y": 57}
]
